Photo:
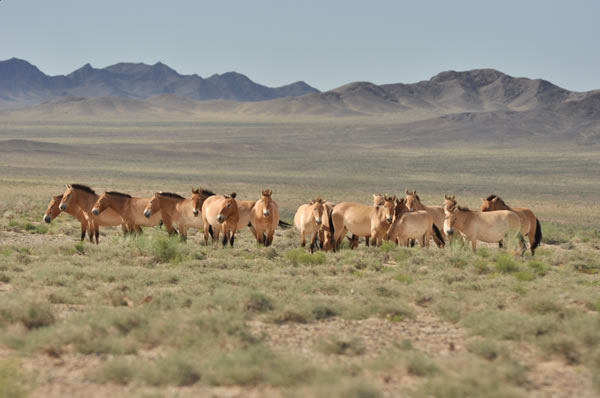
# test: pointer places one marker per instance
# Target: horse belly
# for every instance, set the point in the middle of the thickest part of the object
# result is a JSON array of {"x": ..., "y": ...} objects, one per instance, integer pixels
[{"x": 358, "y": 227}]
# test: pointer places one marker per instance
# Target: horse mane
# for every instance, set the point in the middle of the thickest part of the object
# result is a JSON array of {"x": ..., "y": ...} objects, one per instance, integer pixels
[
  {"x": 464, "y": 208},
  {"x": 202, "y": 191},
  {"x": 58, "y": 197},
  {"x": 118, "y": 194},
  {"x": 84, "y": 188},
  {"x": 171, "y": 195},
  {"x": 492, "y": 197}
]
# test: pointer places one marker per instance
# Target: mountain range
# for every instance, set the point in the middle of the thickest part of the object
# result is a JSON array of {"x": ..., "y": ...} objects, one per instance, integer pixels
[
  {"x": 478, "y": 104},
  {"x": 22, "y": 83}
]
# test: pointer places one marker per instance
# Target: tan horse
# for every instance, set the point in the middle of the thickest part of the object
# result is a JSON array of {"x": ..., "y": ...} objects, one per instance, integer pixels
[
  {"x": 325, "y": 233},
  {"x": 417, "y": 225},
  {"x": 490, "y": 227},
  {"x": 530, "y": 225},
  {"x": 309, "y": 219},
  {"x": 84, "y": 197},
  {"x": 265, "y": 218},
  {"x": 244, "y": 210},
  {"x": 413, "y": 203},
  {"x": 178, "y": 211},
  {"x": 220, "y": 215},
  {"x": 362, "y": 220},
  {"x": 53, "y": 211},
  {"x": 129, "y": 208},
  {"x": 449, "y": 202}
]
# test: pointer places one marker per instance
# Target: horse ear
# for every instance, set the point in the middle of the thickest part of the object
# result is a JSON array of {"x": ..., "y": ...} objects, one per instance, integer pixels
[
  {"x": 446, "y": 197},
  {"x": 68, "y": 186},
  {"x": 406, "y": 191},
  {"x": 495, "y": 199},
  {"x": 233, "y": 195},
  {"x": 482, "y": 200}
]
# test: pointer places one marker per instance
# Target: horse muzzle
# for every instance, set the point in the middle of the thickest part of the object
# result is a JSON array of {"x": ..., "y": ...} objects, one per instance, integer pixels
[
  {"x": 220, "y": 218},
  {"x": 147, "y": 213},
  {"x": 449, "y": 231},
  {"x": 266, "y": 213},
  {"x": 63, "y": 207},
  {"x": 318, "y": 221},
  {"x": 95, "y": 211},
  {"x": 410, "y": 209},
  {"x": 47, "y": 219},
  {"x": 195, "y": 212},
  {"x": 389, "y": 219}
]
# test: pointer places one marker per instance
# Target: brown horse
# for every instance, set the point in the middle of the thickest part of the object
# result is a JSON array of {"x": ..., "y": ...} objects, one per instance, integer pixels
[
  {"x": 417, "y": 225},
  {"x": 530, "y": 225},
  {"x": 308, "y": 219},
  {"x": 84, "y": 197},
  {"x": 490, "y": 227},
  {"x": 362, "y": 220},
  {"x": 244, "y": 210},
  {"x": 413, "y": 203},
  {"x": 178, "y": 211},
  {"x": 53, "y": 211},
  {"x": 449, "y": 202},
  {"x": 129, "y": 208},
  {"x": 264, "y": 217},
  {"x": 220, "y": 215}
]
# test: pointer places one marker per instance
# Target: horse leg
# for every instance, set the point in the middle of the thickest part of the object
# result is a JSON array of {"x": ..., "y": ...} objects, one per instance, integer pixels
[
  {"x": 232, "y": 239},
  {"x": 302, "y": 238},
  {"x": 182, "y": 232},
  {"x": 312, "y": 241},
  {"x": 501, "y": 244},
  {"x": 367, "y": 242},
  {"x": 474, "y": 244},
  {"x": 522, "y": 243},
  {"x": 225, "y": 238},
  {"x": 206, "y": 233}
]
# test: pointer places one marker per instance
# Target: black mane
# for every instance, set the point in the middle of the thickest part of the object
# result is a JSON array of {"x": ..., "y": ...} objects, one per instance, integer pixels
[
  {"x": 171, "y": 195},
  {"x": 84, "y": 188},
  {"x": 492, "y": 197},
  {"x": 118, "y": 194}
]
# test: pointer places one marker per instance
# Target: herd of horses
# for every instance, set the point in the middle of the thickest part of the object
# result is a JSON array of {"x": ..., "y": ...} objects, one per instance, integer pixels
[{"x": 404, "y": 221}]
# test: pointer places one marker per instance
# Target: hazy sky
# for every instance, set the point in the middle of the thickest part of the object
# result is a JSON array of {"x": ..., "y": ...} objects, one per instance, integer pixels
[{"x": 325, "y": 43}]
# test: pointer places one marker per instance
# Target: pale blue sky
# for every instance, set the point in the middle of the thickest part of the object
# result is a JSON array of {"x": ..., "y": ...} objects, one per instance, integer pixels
[{"x": 325, "y": 43}]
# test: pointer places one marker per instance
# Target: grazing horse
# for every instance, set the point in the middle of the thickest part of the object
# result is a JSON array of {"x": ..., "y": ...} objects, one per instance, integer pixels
[
  {"x": 413, "y": 203},
  {"x": 53, "y": 211},
  {"x": 129, "y": 208},
  {"x": 308, "y": 219},
  {"x": 417, "y": 225},
  {"x": 490, "y": 227},
  {"x": 178, "y": 211},
  {"x": 362, "y": 220},
  {"x": 530, "y": 225},
  {"x": 84, "y": 197},
  {"x": 220, "y": 215},
  {"x": 265, "y": 218}
]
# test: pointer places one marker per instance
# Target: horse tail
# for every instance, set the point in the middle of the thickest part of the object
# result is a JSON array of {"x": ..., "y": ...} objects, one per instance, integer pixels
[
  {"x": 210, "y": 231},
  {"x": 439, "y": 235},
  {"x": 284, "y": 225},
  {"x": 331, "y": 229},
  {"x": 538, "y": 235}
]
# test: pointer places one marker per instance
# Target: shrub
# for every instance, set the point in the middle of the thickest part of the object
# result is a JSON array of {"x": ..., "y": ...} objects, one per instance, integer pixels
[
  {"x": 323, "y": 312},
  {"x": 341, "y": 346},
  {"x": 419, "y": 365},
  {"x": 506, "y": 264},
  {"x": 12, "y": 381},
  {"x": 167, "y": 249},
  {"x": 258, "y": 302},
  {"x": 301, "y": 256}
]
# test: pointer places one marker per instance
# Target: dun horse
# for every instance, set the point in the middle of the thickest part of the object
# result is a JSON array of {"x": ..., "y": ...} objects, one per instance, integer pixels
[
  {"x": 362, "y": 220},
  {"x": 220, "y": 215},
  {"x": 530, "y": 225},
  {"x": 416, "y": 225},
  {"x": 265, "y": 218},
  {"x": 308, "y": 219},
  {"x": 490, "y": 227},
  {"x": 130, "y": 209},
  {"x": 177, "y": 211},
  {"x": 84, "y": 197},
  {"x": 53, "y": 211},
  {"x": 413, "y": 203}
]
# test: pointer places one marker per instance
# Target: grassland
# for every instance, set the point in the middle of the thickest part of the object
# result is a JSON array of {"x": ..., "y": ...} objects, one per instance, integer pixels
[{"x": 153, "y": 317}]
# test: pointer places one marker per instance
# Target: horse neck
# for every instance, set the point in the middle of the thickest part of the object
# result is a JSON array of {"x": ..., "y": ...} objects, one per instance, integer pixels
[
  {"x": 418, "y": 205},
  {"x": 118, "y": 203},
  {"x": 86, "y": 200},
  {"x": 503, "y": 206},
  {"x": 181, "y": 205}
]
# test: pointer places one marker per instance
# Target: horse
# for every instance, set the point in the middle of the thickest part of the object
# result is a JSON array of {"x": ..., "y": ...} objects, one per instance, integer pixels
[
  {"x": 449, "y": 201},
  {"x": 129, "y": 208},
  {"x": 530, "y": 225},
  {"x": 417, "y": 225},
  {"x": 177, "y": 210},
  {"x": 362, "y": 220},
  {"x": 265, "y": 218},
  {"x": 84, "y": 197},
  {"x": 244, "y": 210},
  {"x": 354, "y": 240},
  {"x": 490, "y": 227},
  {"x": 220, "y": 214},
  {"x": 413, "y": 203},
  {"x": 309, "y": 219},
  {"x": 53, "y": 211}
]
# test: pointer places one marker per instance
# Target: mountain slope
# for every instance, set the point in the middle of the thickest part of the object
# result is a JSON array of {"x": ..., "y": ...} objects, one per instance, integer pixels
[{"x": 23, "y": 84}]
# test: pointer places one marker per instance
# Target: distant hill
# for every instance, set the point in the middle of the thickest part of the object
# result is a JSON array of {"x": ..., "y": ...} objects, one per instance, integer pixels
[
  {"x": 23, "y": 84},
  {"x": 481, "y": 104}
]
